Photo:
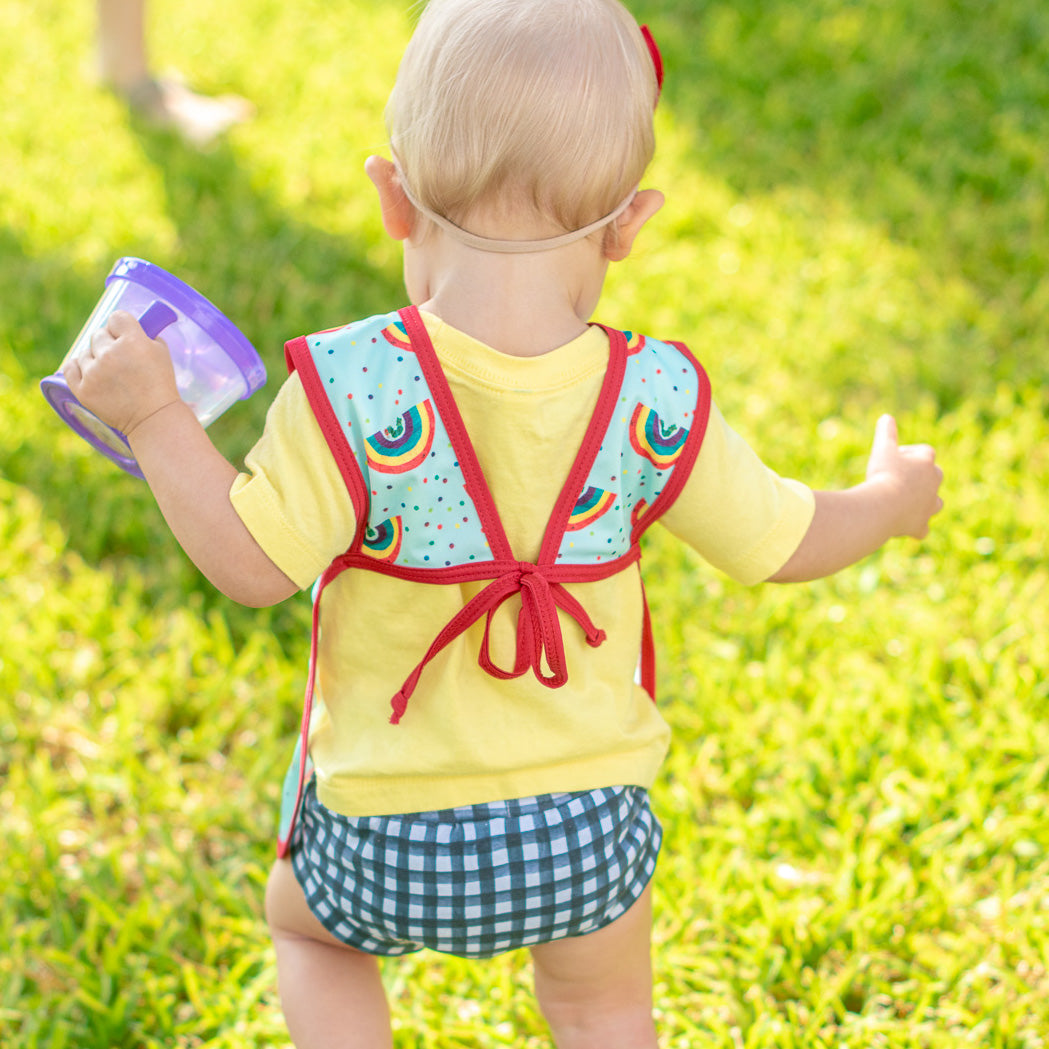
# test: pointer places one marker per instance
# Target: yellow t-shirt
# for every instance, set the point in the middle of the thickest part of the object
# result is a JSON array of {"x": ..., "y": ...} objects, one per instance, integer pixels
[{"x": 468, "y": 737}]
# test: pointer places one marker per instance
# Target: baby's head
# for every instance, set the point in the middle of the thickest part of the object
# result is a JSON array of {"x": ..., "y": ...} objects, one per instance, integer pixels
[{"x": 533, "y": 108}]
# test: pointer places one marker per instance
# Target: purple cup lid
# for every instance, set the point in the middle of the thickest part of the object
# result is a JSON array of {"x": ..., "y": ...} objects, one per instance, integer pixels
[
  {"x": 219, "y": 328},
  {"x": 111, "y": 443}
]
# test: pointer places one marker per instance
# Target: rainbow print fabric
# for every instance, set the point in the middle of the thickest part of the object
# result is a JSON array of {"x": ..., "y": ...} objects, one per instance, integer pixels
[
  {"x": 420, "y": 514},
  {"x": 645, "y": 440}
]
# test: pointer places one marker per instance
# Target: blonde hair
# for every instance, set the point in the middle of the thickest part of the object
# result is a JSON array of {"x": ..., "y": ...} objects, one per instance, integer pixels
[{"x": 539, "y": 104}]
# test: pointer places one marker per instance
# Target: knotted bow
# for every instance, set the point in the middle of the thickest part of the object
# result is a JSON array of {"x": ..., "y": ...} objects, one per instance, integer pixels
[{"x": 539, "y": 637}]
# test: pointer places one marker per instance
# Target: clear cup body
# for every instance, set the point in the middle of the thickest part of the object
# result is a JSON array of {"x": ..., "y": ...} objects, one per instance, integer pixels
[{"x": 207, "y": 379}]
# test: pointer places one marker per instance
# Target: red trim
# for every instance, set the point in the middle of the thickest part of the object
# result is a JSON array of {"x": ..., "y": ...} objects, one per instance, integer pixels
[
  {"x": 539, "y": 636},
  {"x": 448, "y": 410},
  {"x": 591, "y": 445},
  {"x": 648, "y": 647},
  {"x": 476, "y": 571},
  {"x": 298, "y": 357},
  {"x": 679, "y": 476},
  {"x": 682, "y": 468},
  {"x": 541, "y": 585},
  {"x": 284, "y": 844}
]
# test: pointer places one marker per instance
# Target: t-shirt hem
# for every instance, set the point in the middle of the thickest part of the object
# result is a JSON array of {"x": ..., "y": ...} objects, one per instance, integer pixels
[
  {"x": 386, "y": 796},
  {"x": 778, "y": 544},
  {"x": 259, "y": 508}
]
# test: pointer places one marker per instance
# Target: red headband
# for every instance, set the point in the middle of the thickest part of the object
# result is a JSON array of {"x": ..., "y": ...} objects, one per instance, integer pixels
[{"x": 657, "y": 58}]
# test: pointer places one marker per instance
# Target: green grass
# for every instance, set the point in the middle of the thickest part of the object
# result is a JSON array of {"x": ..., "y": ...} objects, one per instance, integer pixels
[{"x": 856, "y": 852}]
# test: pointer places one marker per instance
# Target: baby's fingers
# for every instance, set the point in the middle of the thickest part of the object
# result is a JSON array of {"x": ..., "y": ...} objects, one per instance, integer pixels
[
  {"x": 100, "y": 341},
  {"x": 122, "y": 323},
  {"x": 918, "y": 451},
  {"x": 931, "y": 477},
  {"x": 73, "y": 374}
]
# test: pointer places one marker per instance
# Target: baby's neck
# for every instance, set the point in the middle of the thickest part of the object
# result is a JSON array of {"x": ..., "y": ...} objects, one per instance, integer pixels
[
  {"x": 517, "y": 333},
  {"x": 521, "y": 305}
]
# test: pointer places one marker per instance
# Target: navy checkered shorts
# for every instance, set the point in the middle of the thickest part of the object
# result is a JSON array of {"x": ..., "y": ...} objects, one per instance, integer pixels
[{"x": 477, "y": 880}]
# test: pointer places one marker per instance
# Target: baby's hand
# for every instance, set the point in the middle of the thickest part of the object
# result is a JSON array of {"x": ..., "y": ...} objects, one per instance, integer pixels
[
  {"x": 910, "y": 477},
  {"x": 125, "y": 376}
]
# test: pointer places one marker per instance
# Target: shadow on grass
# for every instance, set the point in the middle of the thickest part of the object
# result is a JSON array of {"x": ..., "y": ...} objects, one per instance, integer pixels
[{"x": 313, "y": 280}]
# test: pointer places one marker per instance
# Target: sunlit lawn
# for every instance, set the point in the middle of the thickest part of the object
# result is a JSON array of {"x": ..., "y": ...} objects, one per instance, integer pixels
[{"x": 857, "y": 852}]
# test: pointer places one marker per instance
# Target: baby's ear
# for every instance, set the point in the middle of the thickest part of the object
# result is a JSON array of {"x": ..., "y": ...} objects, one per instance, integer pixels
[
  {"x": 398, "y": 215},
  {"x": 619, "y": 243}
]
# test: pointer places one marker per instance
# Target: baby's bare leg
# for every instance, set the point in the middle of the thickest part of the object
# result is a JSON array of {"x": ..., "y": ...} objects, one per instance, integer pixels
[
  {"x": 596, "y": 990},
  {"x": 332, "y": 995}
]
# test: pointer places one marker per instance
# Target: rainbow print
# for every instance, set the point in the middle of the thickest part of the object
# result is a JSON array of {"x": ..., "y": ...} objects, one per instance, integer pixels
[
  {"x": 659, "y": 443},
  {"x": 396, "y": 335},
  {"x": 405, "y": 443},
  {"x": 383, "y": 542},
  {"x": 589, "y": 507},
  {"x": 635, "y": 342}
]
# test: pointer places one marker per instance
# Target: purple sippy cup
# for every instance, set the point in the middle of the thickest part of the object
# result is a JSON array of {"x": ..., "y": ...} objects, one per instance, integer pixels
[{"x": 214, "y": 363}]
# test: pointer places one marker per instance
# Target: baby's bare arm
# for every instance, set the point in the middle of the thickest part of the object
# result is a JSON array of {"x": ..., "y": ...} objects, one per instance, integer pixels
[
  {"x": 191, "y": 482},
  {"x": 128, "y": 382},
  {"x": 899, "y": 497}
]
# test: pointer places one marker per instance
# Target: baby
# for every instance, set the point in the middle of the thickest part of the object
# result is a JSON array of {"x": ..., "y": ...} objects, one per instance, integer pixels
[{"x": 467, "y": 479}]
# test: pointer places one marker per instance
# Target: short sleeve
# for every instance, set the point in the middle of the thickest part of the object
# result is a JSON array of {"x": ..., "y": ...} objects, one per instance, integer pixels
[
  {"x": 737, "y": 513},
  {"x": 291, "y": 496}
]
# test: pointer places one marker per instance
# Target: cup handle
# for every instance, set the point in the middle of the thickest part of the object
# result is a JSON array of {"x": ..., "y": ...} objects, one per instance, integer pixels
[{"x": 157, "y": 317}]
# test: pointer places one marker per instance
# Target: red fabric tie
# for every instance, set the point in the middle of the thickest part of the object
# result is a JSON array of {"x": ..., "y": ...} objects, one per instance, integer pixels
[{"x": 539, "y": 637}]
